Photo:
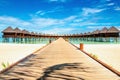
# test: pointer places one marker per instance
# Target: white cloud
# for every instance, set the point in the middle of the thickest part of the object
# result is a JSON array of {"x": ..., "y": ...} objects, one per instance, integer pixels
[
  {"x": 6, "y": 21},
  {"x": 117, "y": 8},
  {"x": 78, "y": 20},
  {"x": 119, "y": 27},
  {"x": 57, "y": 0},
  {"x": 53, "y": 0},
  {"x": 91, "y": 27},
  {"x": 70, "y": 18},
  {"x": 40, "y": 22},
  {"x": 110, "y": 4},
  {"x": 108, "y": 0},
  {"x": 36, "y": 24},
  {"x": 58, "y": 30},
  {"x": 87, "y": 11},
  {"x": 43, "y": 22},
  {"x": 47, "y": 12},
  {"x": 49, "y": 25},
  {"x": 4, "y": 18},
  {"x": 96, "y": 27},
  {"x": 13, "y": 21},
  {"x": 40, "y": 13}
]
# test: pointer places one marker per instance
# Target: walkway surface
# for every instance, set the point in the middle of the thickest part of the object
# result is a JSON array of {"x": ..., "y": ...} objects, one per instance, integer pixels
[{"x": 59, "y": 61}]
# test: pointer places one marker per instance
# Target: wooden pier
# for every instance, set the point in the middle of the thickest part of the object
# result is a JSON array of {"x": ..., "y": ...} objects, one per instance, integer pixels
[{"x": 59, "y": 61}]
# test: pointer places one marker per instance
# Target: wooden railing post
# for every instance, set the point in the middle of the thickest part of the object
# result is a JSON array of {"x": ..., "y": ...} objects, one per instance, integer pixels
[{"x": 81, "y": 46}]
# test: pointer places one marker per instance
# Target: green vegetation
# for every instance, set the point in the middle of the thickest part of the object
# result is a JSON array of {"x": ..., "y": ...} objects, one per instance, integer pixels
[
  {"x": 5, "y": 65},
  {"x": 94, "y": 56}
]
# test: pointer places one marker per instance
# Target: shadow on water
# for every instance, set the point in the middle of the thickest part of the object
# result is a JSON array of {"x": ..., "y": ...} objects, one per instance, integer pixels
[{"x": 64, "y": 72}]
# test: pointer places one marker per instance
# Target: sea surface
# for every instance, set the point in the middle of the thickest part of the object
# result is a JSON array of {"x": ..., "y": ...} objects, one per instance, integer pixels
[
  {"x": 71, "y": 40},
  {"x": 38, "y": 41},
  {"x": 78, "y": 41}
]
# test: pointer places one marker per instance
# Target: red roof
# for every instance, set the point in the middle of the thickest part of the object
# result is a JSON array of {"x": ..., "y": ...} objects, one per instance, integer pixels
[
  {"x": 9, "y": 29},
  {"x": 25, "y": 31},
  {"x": 17, "y": 30},
  {"x": 113, "y": 30},
  {"x": 104, "y": 30}
]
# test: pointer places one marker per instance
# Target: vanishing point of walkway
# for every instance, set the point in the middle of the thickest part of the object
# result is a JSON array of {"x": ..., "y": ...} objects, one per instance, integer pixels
[{"x": 59, "y": 61}]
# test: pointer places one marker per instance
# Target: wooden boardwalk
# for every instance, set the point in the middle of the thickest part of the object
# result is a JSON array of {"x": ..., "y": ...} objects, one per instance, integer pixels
[{"x": 59, "y": 61}]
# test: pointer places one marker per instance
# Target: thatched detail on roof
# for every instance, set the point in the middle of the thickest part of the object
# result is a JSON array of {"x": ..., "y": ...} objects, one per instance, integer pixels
[
  {"x": 97, "y": 31},
  {"x": 32, "y": 33},
  {"x": 104, "y": 30},
  {"x": 17, "y": 30},
  {"x": 9, "y": 29},
  {"x": 113, "y": 30},
  {"x": 89, "y": 33},
  {"x": 25, "y": 32}
]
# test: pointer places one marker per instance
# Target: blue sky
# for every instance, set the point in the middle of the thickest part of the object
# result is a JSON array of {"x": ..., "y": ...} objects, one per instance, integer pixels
[{"x": 59, "y": 16}]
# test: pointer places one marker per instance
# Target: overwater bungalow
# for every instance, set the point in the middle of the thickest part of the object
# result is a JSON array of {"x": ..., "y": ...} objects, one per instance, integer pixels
[
  {"x": 96, "y": 34},
  {"x": 81, "y": 36},
  {"x": 26, "y": 36},
  {"x": 88, "y": 35},
  {"x": 103, "y": 35},
  {"x": 113, "y": 34},
  {"x": 18, "y": 35},
  {"x": 18, "y": 32},
  {"x": 8, "y": 33},
  {"x": 103, "y": 32}
]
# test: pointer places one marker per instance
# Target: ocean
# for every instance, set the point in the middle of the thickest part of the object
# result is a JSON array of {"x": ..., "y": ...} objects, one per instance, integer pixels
[{"x": 71, "y": 40}]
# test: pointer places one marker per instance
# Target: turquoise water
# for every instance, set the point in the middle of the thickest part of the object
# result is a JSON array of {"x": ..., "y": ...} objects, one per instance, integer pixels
[
  {"x": 72, "y": 40},
  {"x": 78, "y": 41},
  {"x": 31, "y": 41},
  {"x": 91, "y": 42}
]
